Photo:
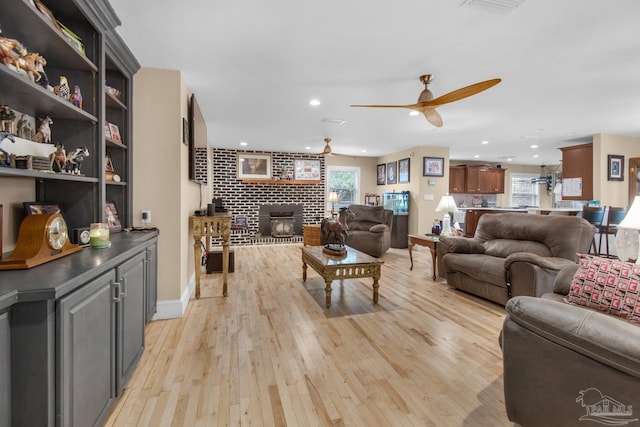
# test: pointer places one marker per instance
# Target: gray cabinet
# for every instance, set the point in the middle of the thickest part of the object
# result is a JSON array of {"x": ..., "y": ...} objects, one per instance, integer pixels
[
  {"x": 131, "y": 316},
  {"x": 5, "y": 370},
  {"x": 86, "y": 352},
  {"x": 152, "y": 282}
]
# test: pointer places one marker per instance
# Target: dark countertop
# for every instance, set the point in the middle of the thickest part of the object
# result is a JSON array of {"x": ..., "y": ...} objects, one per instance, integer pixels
[{"x": 57, "y": 278}]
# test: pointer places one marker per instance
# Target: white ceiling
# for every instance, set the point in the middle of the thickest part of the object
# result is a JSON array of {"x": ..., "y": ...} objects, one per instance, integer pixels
[{"x": 569, "y": 69}]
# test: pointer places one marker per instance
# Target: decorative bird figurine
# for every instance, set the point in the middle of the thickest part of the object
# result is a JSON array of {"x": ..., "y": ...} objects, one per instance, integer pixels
[
  {"x": 76, "y": 97},
  {"x": 62, "y": 90}
]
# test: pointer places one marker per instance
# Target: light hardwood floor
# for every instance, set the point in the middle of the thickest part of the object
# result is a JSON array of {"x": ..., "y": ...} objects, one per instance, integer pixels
[{"x": 270, "y": 354}]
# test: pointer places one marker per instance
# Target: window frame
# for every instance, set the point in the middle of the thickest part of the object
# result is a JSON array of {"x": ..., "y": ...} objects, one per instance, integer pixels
[{"x": 328, "y": 188}]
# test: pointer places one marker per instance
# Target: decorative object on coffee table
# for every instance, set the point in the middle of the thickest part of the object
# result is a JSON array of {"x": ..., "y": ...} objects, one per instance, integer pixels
[{"x": 337, "y": 232}]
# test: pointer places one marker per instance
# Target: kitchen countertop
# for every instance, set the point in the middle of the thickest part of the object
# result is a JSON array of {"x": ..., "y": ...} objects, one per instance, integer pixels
[{"x": 529, "y": 210}]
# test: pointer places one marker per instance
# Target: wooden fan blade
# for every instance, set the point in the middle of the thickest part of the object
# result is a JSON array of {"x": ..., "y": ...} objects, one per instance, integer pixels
[
  {"x": 342, "y": 155},
  {"x": 433, "y": 117},
  {"x": 462, "y": 93},
  {"x": 385, "y": 106}
]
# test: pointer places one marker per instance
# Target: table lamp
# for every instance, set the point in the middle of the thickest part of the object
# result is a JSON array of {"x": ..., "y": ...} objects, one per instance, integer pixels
[
  {"x": 447, "y": 204},
  {"x": 333, "y": 199},
  {"x": 628, "y": 236}
]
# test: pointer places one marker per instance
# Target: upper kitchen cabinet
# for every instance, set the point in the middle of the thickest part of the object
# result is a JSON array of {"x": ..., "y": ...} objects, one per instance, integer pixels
[{"x": 577, "y": 172}]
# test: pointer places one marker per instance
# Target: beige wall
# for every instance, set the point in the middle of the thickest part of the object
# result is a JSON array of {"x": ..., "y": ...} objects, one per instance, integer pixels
[
  {"x": 160, "y": 175},
  {"x": 612, "y": 193}
]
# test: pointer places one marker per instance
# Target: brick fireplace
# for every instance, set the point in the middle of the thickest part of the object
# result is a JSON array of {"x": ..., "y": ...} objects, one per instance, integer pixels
[{"x": 245, "y": 199}]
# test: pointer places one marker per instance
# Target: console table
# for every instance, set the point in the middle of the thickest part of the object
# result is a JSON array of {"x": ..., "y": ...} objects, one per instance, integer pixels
[{"x": 218, "y": 225}]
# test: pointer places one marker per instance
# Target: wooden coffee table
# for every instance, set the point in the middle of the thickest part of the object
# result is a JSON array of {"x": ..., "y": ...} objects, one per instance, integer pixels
[
  {"x": 429, "y": 241},
  {"x": 354, "y": 264}
]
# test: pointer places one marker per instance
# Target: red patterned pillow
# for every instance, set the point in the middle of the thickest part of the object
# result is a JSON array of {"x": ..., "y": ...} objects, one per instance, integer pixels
[{"x": 607, "y": 285}]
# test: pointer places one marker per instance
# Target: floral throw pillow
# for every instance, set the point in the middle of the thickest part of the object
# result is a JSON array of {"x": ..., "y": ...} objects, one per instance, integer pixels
[{"x": 608, "y": 285}]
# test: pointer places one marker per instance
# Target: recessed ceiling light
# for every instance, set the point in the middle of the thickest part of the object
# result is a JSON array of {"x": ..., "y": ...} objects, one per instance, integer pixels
[
  {"x": 244, "y": 143},
  {"x": 534, "y": 146},
  {"x": 314, "y": 102},
  {"x": 413, "y": 113},
  {"x": 307, "y": 148},
  {"x": 536, "y": 156},
  {"x": 476, "y": 156},
  {"x": 364, "y": 151},
  {"x": 485, "y": 142}
]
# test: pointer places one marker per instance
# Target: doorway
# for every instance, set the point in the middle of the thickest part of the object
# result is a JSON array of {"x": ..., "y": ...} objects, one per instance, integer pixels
[{"x": 634, "y": 178}]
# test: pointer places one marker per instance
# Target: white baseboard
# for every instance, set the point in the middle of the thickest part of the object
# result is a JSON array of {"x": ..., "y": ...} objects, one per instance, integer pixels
[{"x": 171, "y": 309}]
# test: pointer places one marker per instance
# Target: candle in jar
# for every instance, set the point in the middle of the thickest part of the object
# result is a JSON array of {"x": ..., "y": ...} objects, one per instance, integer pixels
[{"x": 99, "y": 235}]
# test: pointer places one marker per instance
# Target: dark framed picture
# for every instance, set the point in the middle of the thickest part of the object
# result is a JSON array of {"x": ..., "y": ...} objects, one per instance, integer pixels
[
  {"x": 241, "y": 222},
  {"x": 403, "y": 170},
  {"x": 254, "y": 166},
  {"x": 615, "y": 168},
  {"x": 306, "y": 169},
  {"x": 185, "y": 131},
  {"x": 36, "y": 208},
  {"x": 382, "y": 174},
  {"x": 111, "y": 217},
  {"x": 391, "y": 173},
  {"x": 433, "y": 166}
]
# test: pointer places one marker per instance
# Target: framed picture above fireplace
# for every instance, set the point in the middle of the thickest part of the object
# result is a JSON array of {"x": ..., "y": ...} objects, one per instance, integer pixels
[
  {"x": 254, "y": 166},
  {"x": 307, "y": 169}
]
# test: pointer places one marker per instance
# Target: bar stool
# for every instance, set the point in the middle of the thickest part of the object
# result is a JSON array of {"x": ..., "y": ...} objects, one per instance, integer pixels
[
  {"x": 595, "y": 215},
  {"x": 614, "y": 217}
]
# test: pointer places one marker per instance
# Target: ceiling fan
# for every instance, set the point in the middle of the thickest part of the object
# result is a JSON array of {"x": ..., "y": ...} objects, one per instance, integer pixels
[
  {"x": 427, "y": 104},
  {"x": 327, "y": 150}
]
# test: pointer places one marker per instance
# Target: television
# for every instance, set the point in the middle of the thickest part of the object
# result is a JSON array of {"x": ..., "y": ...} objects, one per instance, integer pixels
[{"x": 197, "y": 136}]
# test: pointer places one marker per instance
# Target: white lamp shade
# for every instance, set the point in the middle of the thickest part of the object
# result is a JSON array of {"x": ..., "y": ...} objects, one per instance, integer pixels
[
  {"x": 333, "y": 197},
  {"x": 632, "y": 219},
  {"x": 447, "y": 204}
]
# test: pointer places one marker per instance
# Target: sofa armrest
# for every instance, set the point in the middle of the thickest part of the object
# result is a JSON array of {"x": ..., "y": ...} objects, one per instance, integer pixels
[
  {"x": 610, "y": 340},
  {"x": 460, "y": 245},
  {"x": 379, "y": 228},
  {"x": 548, "y": 263},
  {"x": 564, "y": 278}
]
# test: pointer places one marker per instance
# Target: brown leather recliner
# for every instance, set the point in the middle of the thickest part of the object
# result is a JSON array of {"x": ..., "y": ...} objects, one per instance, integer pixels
[
  {"x": 513, "y": 254},
  {"x": 370, "y": 229},
  {"x": 567, "y": 365}
]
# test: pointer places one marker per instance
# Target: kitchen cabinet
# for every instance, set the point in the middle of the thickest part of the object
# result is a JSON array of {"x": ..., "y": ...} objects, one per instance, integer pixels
[
  {"x": 457, "y": 175},
  {"x": 495, "y": 180},
  {"x": 577, "y": 162}
]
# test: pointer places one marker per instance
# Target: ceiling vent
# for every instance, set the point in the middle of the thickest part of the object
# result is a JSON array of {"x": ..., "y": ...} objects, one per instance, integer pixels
[{"x": 501, "y": 7}]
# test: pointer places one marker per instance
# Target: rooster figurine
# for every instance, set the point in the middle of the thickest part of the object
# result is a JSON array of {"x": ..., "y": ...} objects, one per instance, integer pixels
[
  {"x": 62, "y": 90},
  {"x": 76, "y": 97}
]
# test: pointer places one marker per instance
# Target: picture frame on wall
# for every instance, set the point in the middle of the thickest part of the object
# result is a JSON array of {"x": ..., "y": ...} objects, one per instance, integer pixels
[
  {"x": 403, "y": 170},
  {"x": 382, "y": 174},
  {"x": 615, "y": 168},
  {"x": 254, "y": 166},
  {"x": 433, "y": 166},
  {"x": 111, "y": 217},
  {"x": 391, "y": 173},
  {"x": 306, "y": 170}
]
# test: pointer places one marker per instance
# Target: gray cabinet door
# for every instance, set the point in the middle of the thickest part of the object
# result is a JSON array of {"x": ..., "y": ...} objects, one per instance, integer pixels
[
  {"x": 152, "y": 282},
  {"x": 5, "y": 370},
  {"x": 86, "y": 353},
  {"x": 131, "y": 317}
]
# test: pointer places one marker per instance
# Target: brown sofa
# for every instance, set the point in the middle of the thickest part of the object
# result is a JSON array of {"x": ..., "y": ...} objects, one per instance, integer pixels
[
  {"x": 513, "y": 254},
  {"x": 563, "y": 363},
  {"x": 370, "y": 229}
]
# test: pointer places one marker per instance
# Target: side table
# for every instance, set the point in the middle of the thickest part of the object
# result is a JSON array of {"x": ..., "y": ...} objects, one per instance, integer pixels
[
  {"x": 430, "y": 242},
  {"x": 311, "y": 235},
  {"x": 218, "y": 225}
]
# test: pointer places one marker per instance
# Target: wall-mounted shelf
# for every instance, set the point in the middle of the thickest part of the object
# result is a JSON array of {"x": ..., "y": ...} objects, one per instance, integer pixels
[{"x": 280, "y": 182}]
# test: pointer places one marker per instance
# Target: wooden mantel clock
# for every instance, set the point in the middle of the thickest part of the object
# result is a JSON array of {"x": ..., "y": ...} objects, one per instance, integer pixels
[{"x": 42, "y": 238}]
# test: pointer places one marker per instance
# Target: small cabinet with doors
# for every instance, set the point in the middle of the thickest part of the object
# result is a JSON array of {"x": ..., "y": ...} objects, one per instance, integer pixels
[
  {"x": 457, "y": 175},
  {"x": 476, "y": 179}
]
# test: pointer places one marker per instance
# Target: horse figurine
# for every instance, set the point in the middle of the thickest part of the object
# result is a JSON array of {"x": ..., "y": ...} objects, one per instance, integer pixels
[
  {"x": 44, "y": 131},
  {"x": 75, "y": 159},
  {"x": 35, "y": 66},
  {"x": 76, "y": 97},
  {"x": 337, "y": 231},
  {"x": 59, "y": 159},
  {"x": 4, "y": 154}
]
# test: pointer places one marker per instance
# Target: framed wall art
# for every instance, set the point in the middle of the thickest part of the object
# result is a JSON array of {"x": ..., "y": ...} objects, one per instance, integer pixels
[
  {"x": 615, "y": 168},
  {"x": 391, "y": 173},
  {"x": 382, "y": 174},
  {"x": 403, "y": 171},
  {"x": 307, "y": 169},
  {"x": 433, "y": 166},
  {"x": 254, "y": 166}
]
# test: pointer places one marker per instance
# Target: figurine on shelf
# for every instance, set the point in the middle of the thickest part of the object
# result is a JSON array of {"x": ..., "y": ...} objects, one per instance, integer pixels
[
  {"x": 75, "y": 159},
  {"x": 10, "y": 51},
  {"x": 24, "y": 128},
  {"x": 4, "y": 154},
  {"x": 59, "y": 159},
  {"x": 36, "y": 63},
  {"x": 62, "y": 89},
  {"x": 76, "y": 97},
  {"x": 7, "y": 116},
  {"x": 44, "y": 131}
]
